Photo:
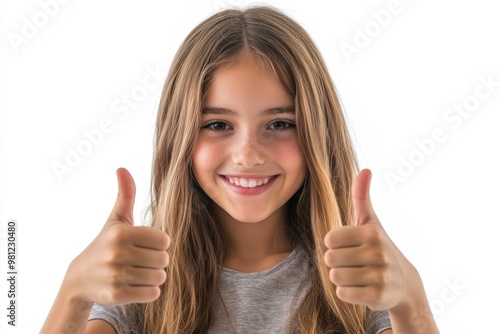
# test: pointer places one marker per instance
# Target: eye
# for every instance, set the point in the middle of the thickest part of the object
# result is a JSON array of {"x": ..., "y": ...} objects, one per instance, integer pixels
[
  {"x": 281, "y": 125},
  {"x": 216, "y": 126}
]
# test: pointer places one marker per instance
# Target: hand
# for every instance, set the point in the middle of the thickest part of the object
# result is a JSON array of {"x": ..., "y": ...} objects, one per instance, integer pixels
[
  {"x": 366, "y": 267},
  {"x": 125, "y": 263}
]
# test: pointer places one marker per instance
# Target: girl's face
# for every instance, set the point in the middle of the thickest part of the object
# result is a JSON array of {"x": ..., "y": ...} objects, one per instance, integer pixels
[{"x": 247, "y": 157}]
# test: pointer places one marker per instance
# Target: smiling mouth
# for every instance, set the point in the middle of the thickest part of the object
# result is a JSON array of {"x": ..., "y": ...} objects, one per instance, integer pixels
[{"x": 249, "y": 182}]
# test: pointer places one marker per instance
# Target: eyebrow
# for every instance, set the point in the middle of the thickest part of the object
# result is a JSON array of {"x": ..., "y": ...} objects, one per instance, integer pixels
[{"x": 225, "y": 111}]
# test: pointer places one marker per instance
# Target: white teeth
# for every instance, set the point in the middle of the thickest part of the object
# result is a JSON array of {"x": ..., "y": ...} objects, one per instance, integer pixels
[
  {"x": 244, "y": 183},
  {"x": 247, "y": 183}
]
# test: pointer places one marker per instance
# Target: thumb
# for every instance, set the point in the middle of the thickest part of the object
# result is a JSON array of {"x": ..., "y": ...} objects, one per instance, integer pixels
[
  {"x": 124, "y": 206},
  {"x": 363, "y": 209}
]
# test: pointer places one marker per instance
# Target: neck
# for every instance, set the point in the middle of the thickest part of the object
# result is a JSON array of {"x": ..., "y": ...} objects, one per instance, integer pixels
[{"x": 255, "y": 241}]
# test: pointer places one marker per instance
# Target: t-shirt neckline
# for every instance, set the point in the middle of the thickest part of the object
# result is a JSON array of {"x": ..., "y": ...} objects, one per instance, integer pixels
[{"x": 268, "y": 271}]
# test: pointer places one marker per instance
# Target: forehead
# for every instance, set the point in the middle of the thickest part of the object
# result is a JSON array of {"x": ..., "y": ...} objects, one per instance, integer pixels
[{"x": 246, "y": 83}]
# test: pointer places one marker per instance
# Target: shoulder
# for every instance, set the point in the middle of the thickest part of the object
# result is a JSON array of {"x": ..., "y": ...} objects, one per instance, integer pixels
[
  {"x": 124, "y": 319},
  {"x": 381, "y": 322}
]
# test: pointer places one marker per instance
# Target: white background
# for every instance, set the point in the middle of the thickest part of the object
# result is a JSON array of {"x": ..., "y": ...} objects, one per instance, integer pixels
[{"x": 76, "y": 67}]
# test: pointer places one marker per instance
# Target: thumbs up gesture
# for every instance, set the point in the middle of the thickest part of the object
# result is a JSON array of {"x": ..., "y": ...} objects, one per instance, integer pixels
[
  {"x": 365, "y": 265},
  {"x": 125, "y": 263}
]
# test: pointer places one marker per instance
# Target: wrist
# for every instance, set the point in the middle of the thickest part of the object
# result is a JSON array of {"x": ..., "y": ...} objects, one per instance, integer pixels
[
  {"x": 71, "y": 287},
  {"x": 70, "y": 310},
  {"x": 413, "y": 312}
]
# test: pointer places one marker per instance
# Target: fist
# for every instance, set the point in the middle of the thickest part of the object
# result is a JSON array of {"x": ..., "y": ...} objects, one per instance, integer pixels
[
  {"x": 125, "y": 263},
  {"x": 365, "y": 266}
]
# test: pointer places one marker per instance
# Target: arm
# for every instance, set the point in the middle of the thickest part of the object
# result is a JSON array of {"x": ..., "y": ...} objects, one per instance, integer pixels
[
  {"x": 68, "y": 314},
  {"x": 367, "y": 268},
  {"x": 413, "y": 313},
  {"x": 124, "y": 264},
  {"x": 99, "y": 326}
]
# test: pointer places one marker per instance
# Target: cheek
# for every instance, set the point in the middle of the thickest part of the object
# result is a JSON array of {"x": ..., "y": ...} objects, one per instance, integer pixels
[
  {"x": 207, "y": 159},
  {"x": 200, "y": 155},
  {"x": 289, "y": 155},
  {"x": 204, "y": 160}
]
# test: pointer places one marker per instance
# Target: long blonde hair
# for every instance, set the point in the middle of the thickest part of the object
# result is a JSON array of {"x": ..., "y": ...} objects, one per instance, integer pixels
[{"x": 181, "y": 209}]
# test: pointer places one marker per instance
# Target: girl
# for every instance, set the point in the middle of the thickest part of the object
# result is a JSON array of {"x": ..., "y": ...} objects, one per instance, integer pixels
[{"x": 260, "y": 220}]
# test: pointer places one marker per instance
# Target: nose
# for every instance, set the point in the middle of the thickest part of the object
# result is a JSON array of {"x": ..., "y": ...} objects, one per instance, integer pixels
[{"x": 248, "y": 152}]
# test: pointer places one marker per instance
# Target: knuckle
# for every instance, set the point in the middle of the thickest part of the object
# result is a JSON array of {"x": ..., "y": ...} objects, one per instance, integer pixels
[
  {"x": 334, "y": 276},
  {"x": 118, "y": 235},
  {"x": 118, "y": 279},
  {"x": 330, "y": 239},
  {"x": 152, "y": 293},
  {"x": 162, "y": 277},
  {"x": 117, "y": 256},
  {"x": 342, "y": 293},
  {"x": 373, "y": 235},
  {"x": 329, "y": 258},
  {"x": 167, "y": 240},
  {"x": 155, "y": 293},
  {"x": 164, "y": 259},
  {"x": 378, "y": 257},
  {"x": 114, "y": 293},
  {"x": 380, "y": 279}
]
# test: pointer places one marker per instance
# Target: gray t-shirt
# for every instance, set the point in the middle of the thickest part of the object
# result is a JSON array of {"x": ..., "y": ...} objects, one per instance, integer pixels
[{"x": 259, "y": 302}]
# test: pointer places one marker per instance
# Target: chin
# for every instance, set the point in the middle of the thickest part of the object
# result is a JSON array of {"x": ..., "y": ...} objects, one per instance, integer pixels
[
  {"x": 248, "y": 219},
  {"x": 246, "y": 214}
]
